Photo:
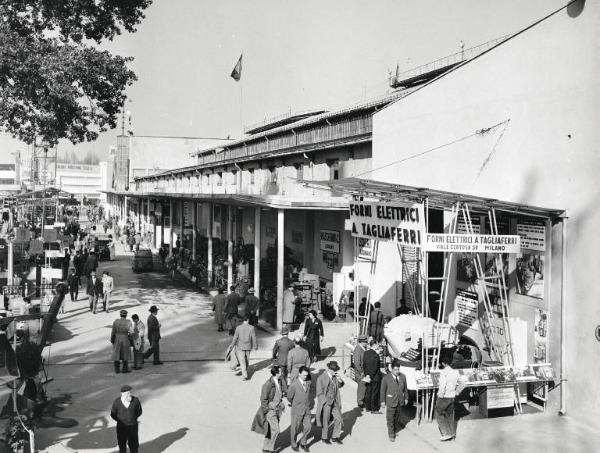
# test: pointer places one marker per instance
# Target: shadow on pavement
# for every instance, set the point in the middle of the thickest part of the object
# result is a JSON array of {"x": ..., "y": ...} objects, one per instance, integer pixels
[{"x": 161, "y": 443}]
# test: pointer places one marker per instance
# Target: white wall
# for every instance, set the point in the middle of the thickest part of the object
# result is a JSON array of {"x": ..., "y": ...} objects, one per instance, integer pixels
[{"x": 545, "y": 81}]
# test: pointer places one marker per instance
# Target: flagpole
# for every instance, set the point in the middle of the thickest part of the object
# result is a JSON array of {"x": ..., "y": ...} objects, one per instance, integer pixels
[{"x": 241, "y": 110}]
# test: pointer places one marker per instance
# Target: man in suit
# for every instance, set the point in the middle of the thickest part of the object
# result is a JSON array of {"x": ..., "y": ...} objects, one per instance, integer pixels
[
  {"x": 107, "y": 288},
  {"x": 296, "y": 358},
  {"x": 394, "y": 395},
  {"x": 281, "y": 350},
  {"x": 376, "y": 322},
  {"x": 371, "y": 366},
  {"x": 73, "y": 283},
  {"x": 94, "y": 290},
  {"x": 358, "y": 358},
  {"x": 299, "y": 396},
  {"x": 231, "y": 309},
  {"x": 266, "y": 420},
  {"x": 244, "y": 340},
  {"x": 329, "y": 403},
  {"x": 153, "y": 327},
  {"x": 252, "y": 303}
]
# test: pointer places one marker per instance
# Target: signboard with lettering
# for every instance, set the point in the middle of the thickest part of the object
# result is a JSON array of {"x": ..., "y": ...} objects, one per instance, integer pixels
[
  {"x": 466, "y": 303},
  {"x": 533, "y": 234},
  {"x": 400, "y": 223},
  {"x": 330, "y": 241},
  {"x": 472, "y": 243}
]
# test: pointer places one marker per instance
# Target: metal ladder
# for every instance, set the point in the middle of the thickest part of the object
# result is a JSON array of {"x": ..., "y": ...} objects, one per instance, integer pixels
[{"x": 362, "y": 321}]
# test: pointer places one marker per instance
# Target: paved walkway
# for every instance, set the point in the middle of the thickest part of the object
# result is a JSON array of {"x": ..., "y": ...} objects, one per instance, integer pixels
[{"x": 194, "y": 403}]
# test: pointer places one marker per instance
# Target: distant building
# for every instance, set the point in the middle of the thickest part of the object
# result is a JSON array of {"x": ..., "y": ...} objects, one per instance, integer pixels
[
  {"x": 79, "y": 179},
  {"x": 9, "y": 179}
]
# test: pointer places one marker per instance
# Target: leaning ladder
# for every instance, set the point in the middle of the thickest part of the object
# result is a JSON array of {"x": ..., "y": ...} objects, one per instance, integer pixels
[{"x": 362, "y": 321}]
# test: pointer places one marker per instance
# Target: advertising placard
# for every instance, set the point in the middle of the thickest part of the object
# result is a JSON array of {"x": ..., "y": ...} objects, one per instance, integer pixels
[
  {"x": 402, "y": 223},
  {"x": 330, "y": 241},
  {"x": 472, "y": 243},
  {"x": 466, "y": 303},
  {"x": 365, "y": 249},
  {"x": 533, "y": 234}
]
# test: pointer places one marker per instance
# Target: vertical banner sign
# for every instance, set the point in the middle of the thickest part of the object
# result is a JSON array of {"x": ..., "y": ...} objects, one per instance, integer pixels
[
  {"x": 533, "y": 234},
  {"x": 466, "y": 303},
  {"x": 401, "y": 223},
  {"x": 365, "y": 249}
]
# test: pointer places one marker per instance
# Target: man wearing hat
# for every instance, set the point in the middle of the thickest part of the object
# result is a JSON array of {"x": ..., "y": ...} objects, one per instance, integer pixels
[
  {"x": 296, "y": 358},
  {"x": 94, "y": 290},
  {"x": 280, "y": 352},
  {"x": 329, "y": 403},
  {"x": 153, "y": 327},
  {"x": 252, "y": 306},
  {"x": 125, "y": 411},
  {"x": 119, "y": 337},
  {"x": 359, "y": 372}
]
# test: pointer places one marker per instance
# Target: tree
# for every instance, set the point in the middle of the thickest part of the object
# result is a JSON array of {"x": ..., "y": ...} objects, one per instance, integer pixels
[{"x": 54, "y": 81}]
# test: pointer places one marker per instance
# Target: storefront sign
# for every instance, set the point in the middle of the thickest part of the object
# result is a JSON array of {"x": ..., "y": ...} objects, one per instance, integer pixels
[
  {"x": 501, "y": 396},
  {"x": 330, "y": 241},
  {"x": 466, "y": 303},
  {"x": 533, "y": 234},
  {"x": 390, "y": 222},
  {"x": 472, "y": 243}
]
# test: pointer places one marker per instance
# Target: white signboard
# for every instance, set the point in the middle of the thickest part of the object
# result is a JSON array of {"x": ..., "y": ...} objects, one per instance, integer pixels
[
  {"x": 390, "y": 222},
  {"x": 533, "y": 234},
  {"x": 466, "y": 303},
  {"x": 50, "y": 273},
  {"x": 54, "y": 254},
  {"x": 472, "y": 243},
  {"x": 330, "y": 241}
]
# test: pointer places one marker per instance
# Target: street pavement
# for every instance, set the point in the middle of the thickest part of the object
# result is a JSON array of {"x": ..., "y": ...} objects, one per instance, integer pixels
[{"x": 195, "y": 403}]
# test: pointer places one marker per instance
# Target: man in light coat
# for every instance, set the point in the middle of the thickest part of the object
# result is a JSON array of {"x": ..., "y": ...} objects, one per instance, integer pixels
[
  {"x": 298, "y": 395},
  {"x": 244, "y": 340},
  {"x": 107, "y": 289},
  {"x": 394, "y": 395},
  {"x": 329, "y": 403},
  {"x": 296, "y": 358}
]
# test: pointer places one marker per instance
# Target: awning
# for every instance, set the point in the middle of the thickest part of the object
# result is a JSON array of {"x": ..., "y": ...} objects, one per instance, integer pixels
[{"x": 437, "y": 199}]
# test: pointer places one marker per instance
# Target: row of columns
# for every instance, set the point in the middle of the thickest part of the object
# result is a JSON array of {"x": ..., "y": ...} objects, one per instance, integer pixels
[{"x": 230, "y": 241}]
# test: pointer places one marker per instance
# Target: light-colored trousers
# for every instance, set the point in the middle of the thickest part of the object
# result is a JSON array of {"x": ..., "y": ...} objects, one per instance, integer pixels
[
  {"x": 300, "y": 420},
  {"x": 273, "y": 421},
  {"x": 244, "y": 359}
]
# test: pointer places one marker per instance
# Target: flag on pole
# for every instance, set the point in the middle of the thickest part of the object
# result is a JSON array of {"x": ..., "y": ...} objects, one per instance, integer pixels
[{"x": 236, "y": 74}]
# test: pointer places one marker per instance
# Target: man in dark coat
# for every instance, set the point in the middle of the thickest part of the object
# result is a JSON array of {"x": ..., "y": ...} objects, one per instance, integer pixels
[
  {"x": 371, "y": 366},
  {"x": 78, "y": 263},
  {"x": 252, "y": 306},
  {"x": 231, "y": 309},
  {"x": 266, "y": 420},
  {"x": 119, "y": 337},
  {"x": 280, "y": 352},
  {"x": 94, "y": 291},
  {"x": 299, "y": 397},
  {"x": 394, "y": 395},
  {"x": 91, "y": 264},
  {"x": 219, "y": 302},
  {"x": 376, "y": 322},
  {"x": 153, "y": 327},
  {"x": 73, "y": 284},
  {"x": 125, "y": 411}
]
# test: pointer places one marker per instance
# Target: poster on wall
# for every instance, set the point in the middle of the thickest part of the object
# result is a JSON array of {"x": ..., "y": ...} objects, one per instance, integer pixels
[
  {"x": 533, "y": 234},
  {"x": 331, "y": 259},
  {"x": 491, "y": 269},
  {"x": 540, "y": 337},
  {"x": 461, "y": 225},
  {"x": 466, "y": 303},
  {"x": 330, "y": 241},
  {"x": 530, "y": 275},
  {"x": 465, "y": 268},
  {"x": 502, "y": 224}
]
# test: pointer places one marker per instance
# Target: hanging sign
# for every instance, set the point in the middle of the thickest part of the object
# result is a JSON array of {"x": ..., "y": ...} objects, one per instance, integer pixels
[
  {"x": 533, "y": 234},
  {"x": 390, "y": 222},
  {"x": 472, "y": 243},
  {"x": 330, "y": 241},
  {"x": 466, "y": 303}
]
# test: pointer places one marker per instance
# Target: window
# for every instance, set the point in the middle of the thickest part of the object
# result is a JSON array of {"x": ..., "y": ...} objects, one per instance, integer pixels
[
  {"x": 334, "y": 169},
  {"x": 299, "y": 172},
  {"x": 251, "y": 175}
]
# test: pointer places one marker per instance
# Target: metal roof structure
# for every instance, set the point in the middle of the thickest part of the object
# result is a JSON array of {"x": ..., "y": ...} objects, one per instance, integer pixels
[{"x": 438, "y": 199}]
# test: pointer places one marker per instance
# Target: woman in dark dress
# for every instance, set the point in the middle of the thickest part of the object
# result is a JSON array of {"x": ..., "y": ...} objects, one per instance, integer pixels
[{"x": 313, "y": 334}]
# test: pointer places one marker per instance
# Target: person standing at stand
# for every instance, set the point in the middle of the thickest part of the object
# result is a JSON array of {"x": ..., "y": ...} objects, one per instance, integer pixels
[
  {"x": 394, "y": 396},
  {"x": 125, "y": 411},
  {"x": 372, "y": 369},
  {"x": 153, "y": 326},
  {"x": 444, "y": 406}
]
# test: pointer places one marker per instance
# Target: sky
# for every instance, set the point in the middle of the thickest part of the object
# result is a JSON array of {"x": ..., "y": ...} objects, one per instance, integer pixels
[{"x": 314, "y": 54}]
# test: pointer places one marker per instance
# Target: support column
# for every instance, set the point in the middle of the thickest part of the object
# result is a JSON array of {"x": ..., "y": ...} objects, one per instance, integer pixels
[
  {"x": 194, "y": 228},
  {"x": 148, "y": 224},
  {"x": 209, "y": 233},
  {"x": 11, "y": 271},
  {"x": 126, "y": 213},
  {"x": 280, "y": 276},
  {"x": 257, "y": 254},
  {"x": 162, "y": 223},
  {"x": 181, "y": 222},
  {"x": 170, "y": 226},
  {"x": 229, "y": 246}
]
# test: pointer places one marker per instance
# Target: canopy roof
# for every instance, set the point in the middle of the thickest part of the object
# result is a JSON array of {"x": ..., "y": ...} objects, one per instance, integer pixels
[{"x": 438, "y": 199}]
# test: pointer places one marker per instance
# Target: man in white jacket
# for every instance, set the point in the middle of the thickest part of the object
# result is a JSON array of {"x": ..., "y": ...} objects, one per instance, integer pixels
[{"x": 108, "y": 285}]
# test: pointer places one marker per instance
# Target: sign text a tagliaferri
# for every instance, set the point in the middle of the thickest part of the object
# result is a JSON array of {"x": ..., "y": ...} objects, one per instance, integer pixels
[{"x": 389, "y": 222}]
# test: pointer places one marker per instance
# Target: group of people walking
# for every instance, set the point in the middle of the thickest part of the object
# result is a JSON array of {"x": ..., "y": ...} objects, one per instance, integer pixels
[
  {"x": 231, "y": 309},
  {"x": 128, "y": 334}
]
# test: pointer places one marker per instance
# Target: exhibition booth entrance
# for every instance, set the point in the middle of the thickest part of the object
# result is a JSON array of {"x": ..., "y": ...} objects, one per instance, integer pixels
[{"x": 461, "y": 275}]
